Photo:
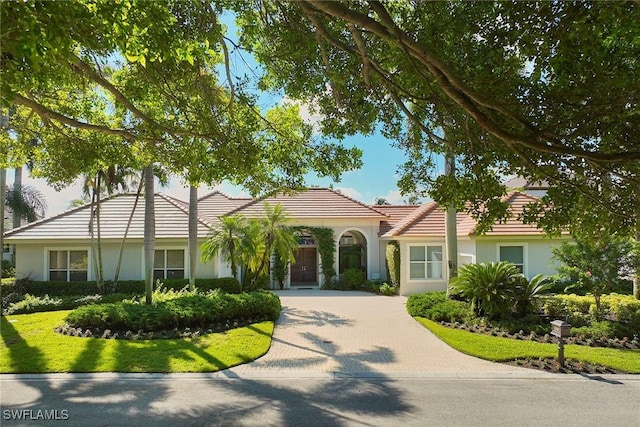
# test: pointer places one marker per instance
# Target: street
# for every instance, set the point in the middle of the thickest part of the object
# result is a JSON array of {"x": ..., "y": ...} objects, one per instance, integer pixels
[{"x": 215, "y": 400}]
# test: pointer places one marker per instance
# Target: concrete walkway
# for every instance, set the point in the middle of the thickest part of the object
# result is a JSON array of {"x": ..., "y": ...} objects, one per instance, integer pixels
[{"x": 357, "y": 334}]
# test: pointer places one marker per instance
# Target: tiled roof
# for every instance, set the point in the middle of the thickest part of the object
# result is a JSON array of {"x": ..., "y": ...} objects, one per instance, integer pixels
[
  {"x": 217, "y": 204},
  {"x": 312, "y": 203},
  {"x": 520, "y": 182},
  {"x": 428, "y": 220},
  {"x": 396, "y": 213},
  {"x": 171, "y": 220}
]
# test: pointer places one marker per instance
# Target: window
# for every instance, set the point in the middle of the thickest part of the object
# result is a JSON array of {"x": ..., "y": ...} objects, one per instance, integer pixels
[
  {"x": 513, "y": 254},
  {"x": 68, "y": 265},
  {"x": 168, "y": 264},
  {"x": 425, "y": 262}
]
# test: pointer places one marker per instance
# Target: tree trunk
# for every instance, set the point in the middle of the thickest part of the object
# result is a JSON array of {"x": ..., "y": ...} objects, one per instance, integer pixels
[
  {"x": 3, "y": 197},
  {"x": 149, "y": 232},
  {"x": 116, "y": 276},
  {"x": 17, "y": 189},
  {"x": 193, "y": 235},
  {"x": 100, "y": 269},
  {"x": 451, "y": 229},
  {"x": 636, "y": 274}
]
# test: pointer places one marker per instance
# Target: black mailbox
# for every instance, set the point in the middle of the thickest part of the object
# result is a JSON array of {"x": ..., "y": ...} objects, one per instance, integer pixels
[{"x": 560, "y": 329}]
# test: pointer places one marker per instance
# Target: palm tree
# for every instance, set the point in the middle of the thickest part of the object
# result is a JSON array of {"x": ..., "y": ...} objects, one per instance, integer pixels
[
  {"x": 227, "y": 239},
  {"x": 163, "y": 179},
  {"x": 278, "y": 239},
  {"x": 106, "y": 181},
  {"x": 25, "y": 201}
]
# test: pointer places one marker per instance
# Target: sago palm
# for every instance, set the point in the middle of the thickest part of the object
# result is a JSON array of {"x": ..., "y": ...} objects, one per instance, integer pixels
[{"x": 492, "y": 289}]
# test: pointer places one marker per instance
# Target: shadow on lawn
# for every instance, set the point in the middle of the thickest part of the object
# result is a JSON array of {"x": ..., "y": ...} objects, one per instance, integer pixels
[{"x": 24, "y": 358}]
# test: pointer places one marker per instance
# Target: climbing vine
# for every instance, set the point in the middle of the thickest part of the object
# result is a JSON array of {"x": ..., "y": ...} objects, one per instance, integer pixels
[
  {"x": 326, "y": 247},
  {"x": 392, "y": 253}
]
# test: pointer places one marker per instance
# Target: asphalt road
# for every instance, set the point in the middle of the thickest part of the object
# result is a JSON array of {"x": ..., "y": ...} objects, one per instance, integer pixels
[{"x": 213, "y": 400}]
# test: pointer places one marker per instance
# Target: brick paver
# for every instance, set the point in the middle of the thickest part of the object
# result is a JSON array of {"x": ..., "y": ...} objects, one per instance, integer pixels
[{"x": 347, "y": 333}]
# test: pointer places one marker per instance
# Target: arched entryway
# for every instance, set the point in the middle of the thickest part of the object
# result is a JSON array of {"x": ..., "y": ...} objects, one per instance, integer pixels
[{"x": 352, "y": 251}]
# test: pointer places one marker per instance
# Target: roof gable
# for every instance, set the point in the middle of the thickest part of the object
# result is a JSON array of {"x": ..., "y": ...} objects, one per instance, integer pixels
[
  {"x": 312, "y": 203},
  {"x": 216, "y": 204},
  {"x": 428, "y": 220}
]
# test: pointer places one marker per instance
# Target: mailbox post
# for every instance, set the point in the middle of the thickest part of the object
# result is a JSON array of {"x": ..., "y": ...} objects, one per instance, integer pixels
[{"x": 561, "y": 330}]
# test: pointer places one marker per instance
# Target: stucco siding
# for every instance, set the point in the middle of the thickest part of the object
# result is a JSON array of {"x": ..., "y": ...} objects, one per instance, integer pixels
[
  {"x": 410, "y": 286},
  {"x": 538, "y": 253}
]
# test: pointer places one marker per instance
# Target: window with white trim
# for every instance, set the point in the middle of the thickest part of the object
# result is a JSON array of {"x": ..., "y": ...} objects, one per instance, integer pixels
[
  {"x": 425, "y": 262},
  {"x": 69, "y": 265},
  {"x": 168, "y": 264},
  {"x": 513, "y": 254}
]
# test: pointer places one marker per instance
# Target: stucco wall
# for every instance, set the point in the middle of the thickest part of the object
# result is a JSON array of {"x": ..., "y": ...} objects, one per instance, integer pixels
[
  {"x": 31, "y": 259},
  {"x": 410, "y": 286},
  {"x": 538, "y": 255}
]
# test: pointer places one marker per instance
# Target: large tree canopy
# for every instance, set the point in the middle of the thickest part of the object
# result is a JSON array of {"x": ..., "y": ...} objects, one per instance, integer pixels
[
  {"x": 90, "y": 84},
  {"x": 546, "y": 90}
]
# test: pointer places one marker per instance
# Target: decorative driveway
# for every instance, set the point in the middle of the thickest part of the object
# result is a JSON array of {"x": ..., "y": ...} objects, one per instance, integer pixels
[{"x": 357, "y": 334}]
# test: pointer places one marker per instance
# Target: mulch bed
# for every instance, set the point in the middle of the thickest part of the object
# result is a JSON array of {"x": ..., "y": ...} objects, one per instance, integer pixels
[{"x": 570, "y": 366}]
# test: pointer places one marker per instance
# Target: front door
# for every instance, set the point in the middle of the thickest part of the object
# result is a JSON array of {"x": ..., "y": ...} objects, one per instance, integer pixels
[{"x": 304, "y": 271}]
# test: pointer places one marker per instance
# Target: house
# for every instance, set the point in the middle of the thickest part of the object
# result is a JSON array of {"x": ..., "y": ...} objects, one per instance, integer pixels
[{"x": 59, "y": 248}]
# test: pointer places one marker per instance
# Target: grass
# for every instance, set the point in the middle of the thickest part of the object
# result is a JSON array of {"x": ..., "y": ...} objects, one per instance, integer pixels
[
  {"x": 498, "y": 349},
  {"x": 29, "y": 345}
]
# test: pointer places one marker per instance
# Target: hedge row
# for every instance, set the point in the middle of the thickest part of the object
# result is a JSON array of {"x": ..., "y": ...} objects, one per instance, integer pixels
[
  {"x": 581, "y": 310},
  {"x": 198, "y": 310},
  {"x": 54, "y": 288}
]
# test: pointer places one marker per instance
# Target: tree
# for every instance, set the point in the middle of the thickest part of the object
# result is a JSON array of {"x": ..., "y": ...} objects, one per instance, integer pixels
[
  {"x": 517, "y": 92},
  {"x": 379, "y": 201},
  {"x": 226, "y": 240},
  {"x": 139, "y": 94},
  {"x": 597, "y": 263},
  {"x": 278, "y": 240},
  {"x": 26, "y": 201}
]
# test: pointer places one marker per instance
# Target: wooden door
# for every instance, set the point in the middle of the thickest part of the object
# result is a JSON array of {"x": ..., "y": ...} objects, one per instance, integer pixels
[{"x": 304, "y": 271}]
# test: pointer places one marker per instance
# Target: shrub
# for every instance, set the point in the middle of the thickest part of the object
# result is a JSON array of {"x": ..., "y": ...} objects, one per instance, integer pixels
[
  {"x": 353, "y": 278},
  {"x": 449, "y": 311},
  {"x": 418, "y": 304},
  {"x": 57, "y": 288},
  {"x": 189, "y": 310},
  {"x": 492, "y": 289},
  {"x": 33, "y": 304},
  {"x": 387, "y": 290},
  {"x": 7, "y": 268}
]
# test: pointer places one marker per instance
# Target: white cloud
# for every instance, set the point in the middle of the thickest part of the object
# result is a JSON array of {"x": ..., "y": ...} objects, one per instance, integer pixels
[{"x": 350, "y": 192}]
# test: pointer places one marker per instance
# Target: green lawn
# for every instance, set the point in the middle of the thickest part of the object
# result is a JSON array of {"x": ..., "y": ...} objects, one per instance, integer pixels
[
  {"x": 29, "y": 345},
  {"x": 499, "y": 349}
]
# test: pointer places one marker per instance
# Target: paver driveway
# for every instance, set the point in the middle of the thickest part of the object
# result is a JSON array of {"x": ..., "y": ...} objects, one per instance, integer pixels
[{"x": 357, "y": 334}]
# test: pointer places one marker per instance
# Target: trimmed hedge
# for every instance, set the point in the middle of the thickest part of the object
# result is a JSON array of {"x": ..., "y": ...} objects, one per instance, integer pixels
[
  {"x": 195, "y": 310},
  {"x": 55, "y": 288},
  {"x": 418, "y": 304},
  {"x": 436, "y": 306}
]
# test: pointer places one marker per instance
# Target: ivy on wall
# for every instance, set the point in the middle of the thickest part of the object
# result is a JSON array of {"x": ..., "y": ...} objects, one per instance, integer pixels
[
  {"x": 392, "y": 254},
  {"x": 326, "y": 247}
]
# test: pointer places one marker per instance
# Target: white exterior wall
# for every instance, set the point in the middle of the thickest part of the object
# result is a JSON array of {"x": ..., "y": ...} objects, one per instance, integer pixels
[
  {"x": 413, "y": 286},
  {"x": 31, "y": 259},
  {"x": 538, "y": 258}
]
